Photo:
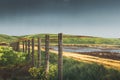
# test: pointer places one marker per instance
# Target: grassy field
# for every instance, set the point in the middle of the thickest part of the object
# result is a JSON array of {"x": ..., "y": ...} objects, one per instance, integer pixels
[
  {"x": 74, "y": 39},
  {"x": 7, "y": 39},
  {"x": 77, "y": 70},
  {"x": 110, "y": 63},
  {"x": 67, "y": 39},
  {"x": 72, "y": 69}
]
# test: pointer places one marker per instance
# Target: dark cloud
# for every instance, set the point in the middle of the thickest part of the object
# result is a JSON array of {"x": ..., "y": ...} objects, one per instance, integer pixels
[
  {"x": 30, "y": 7},
  {"x": 52, "y": 5},
  {"x": 63, "y": 14}
]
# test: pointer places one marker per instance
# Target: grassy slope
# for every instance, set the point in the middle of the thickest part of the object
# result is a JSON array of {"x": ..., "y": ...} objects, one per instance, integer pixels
[
  {"x": 67, "y": 39},
  {"x": 7, "y": 38},
  {"x": 75, "y": 70},
  {"x": 74, "y": 39}
]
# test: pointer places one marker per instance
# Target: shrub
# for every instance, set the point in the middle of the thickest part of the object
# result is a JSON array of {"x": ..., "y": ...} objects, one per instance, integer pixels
[
  {"x": 39, "y": 73},
  {"x": 10, "y": 57}
]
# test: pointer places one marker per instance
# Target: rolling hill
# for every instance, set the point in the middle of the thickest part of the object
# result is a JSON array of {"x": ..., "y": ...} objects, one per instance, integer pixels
[
  {"x": 76, "y": 39},
  {"x": 7, "y": 39},
  {"x": 67, "y": 39}
]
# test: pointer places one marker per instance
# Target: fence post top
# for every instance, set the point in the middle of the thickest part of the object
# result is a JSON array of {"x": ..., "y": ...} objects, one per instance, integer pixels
[{"x": 60, "y": 33}]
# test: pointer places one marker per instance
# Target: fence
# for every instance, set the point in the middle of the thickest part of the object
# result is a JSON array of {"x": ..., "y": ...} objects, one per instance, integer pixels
[{"x": 28, "y": 46}]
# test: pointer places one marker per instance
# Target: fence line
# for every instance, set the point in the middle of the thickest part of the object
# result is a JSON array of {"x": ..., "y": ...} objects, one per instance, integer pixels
[{"x": 27, "y": 44}]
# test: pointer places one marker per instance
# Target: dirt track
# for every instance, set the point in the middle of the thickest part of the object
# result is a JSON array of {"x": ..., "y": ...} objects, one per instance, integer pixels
[
  {"x": 86, "y": 58},
  {"x": 90, "y": 59}
]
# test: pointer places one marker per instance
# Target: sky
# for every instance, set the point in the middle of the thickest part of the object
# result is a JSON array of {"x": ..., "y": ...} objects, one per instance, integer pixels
[{"x": 79, "y": 17}]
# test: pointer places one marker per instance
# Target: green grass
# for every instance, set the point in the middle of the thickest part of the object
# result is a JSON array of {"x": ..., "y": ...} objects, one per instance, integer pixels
[
  {"x": 67, "y": 39},
  {"x": 72, "y": 39},
  {"x": 91, "y": 41},
  {"x": 72, "y": 69},
  {"x": 75, "y": 70},
  {"x": 7, "y": 39}
]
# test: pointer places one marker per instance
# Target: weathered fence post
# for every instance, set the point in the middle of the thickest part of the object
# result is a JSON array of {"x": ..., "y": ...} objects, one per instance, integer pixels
[
  {"x": 39, "y": 52},
  {"x": 29, "y": 49},
  {"x": 60, "y": 58},
  {"x": 33, "y": 52},
  {"x": 25, "y": 46},
  {"x": 17, "y": 46},
  {"x": 23, "y": 43},
  {"x": 46, "y": 55}
]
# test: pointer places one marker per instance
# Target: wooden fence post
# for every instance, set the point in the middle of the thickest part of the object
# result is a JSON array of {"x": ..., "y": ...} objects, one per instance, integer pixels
[
  {"x": 33, "y": 52},
  {"x": 60, "y": 57},
  {"x": 39, "y": 52},
  {"x": 23, "y": 43},
  {"x": 25, "y": 46},
  {"x": 46, "y": 55},
  {"x": 29, "y": 49},
  {"x": 17, "y": 46}
]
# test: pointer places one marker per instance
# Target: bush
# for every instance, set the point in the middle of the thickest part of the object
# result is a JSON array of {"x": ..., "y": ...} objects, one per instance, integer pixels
[
  {"x": 39, "y": 73},
  {"x": 10, "y": 57}
]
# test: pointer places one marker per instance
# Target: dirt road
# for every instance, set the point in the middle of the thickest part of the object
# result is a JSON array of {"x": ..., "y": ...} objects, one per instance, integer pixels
[
  {"x": 91, "y": 59},
  {"x": 86, "y": 58}
]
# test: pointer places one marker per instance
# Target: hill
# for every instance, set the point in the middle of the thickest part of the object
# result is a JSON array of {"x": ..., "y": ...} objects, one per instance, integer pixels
[
  {"x": 78, "y": 39},
  {"x": 67, "y": 39},
  {"x": 7, "y": 39}
]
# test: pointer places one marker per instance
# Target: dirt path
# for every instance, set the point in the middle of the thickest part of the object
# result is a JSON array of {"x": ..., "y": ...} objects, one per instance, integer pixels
[
  {"x": 91, "y": 59},
  {"x": 86, "y": 58}
]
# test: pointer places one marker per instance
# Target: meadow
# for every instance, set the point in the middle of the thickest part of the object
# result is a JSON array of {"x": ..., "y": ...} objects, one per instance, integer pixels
[
  {"x": 67, "y": 39},
  {"x": 72, "y": 69},
  {"x": 17, "y": 66}
]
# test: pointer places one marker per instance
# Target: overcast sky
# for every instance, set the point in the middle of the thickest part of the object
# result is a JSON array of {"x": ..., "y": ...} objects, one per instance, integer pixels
[{"x": 81, "y": 17}]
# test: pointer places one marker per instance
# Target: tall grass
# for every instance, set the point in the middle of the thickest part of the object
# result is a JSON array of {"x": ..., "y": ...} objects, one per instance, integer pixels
[{"x": 75, "y": 70}]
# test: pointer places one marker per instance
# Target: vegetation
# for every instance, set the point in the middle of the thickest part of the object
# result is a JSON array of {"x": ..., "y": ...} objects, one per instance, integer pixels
[
  {"x": 67, "y": 39},
  {"x": 72, "y": 69},
  {"x": 6, "y": 38},
  {"x": 72, "y": 39},
  {"x": 9, "y": 57},
  {"x": 39, "y": 73},
  {"x": 92, "y": 41}
]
